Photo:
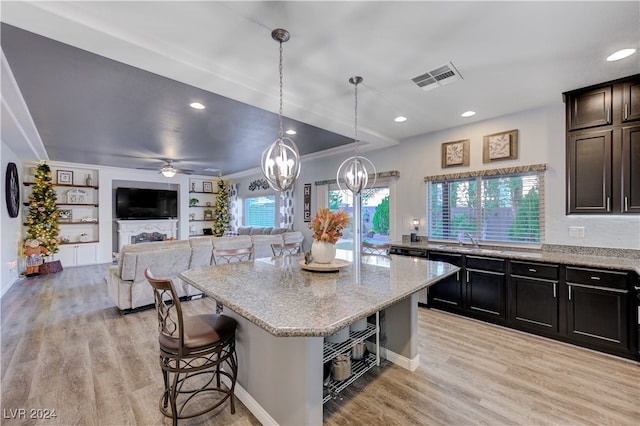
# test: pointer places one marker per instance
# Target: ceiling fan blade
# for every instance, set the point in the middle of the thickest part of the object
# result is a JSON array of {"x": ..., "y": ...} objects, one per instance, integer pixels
[{"x": 184, "y": 171}]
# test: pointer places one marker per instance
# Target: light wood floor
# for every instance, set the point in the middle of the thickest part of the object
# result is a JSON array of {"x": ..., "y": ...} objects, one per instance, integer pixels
[{"x": 66, "y": 348}]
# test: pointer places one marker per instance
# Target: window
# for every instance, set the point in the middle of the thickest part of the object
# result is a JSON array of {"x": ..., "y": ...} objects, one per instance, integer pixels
[
  {"x": 498, "y": 208},
  {"x": 260, "y": 211}
]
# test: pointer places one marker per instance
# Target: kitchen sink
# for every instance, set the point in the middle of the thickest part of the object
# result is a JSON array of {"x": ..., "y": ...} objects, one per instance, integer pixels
[{"x": 466, "y": 249}]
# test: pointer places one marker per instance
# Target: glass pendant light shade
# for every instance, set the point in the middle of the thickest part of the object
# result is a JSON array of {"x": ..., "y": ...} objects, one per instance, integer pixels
[
  {"x": 168, "y": 171},
  {"x": 281, "y": 160},
  {"x": 281, "y": 164}
]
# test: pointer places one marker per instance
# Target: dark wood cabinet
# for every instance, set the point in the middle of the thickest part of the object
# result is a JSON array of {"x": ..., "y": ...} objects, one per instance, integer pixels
[
  {"x": 590, "y": 108},
  {"x": 534, "y": 297},
  {"x": 597, "y": 309},
  {"x": 589, "y": 171},
  {"x": 447, "y": 293},
  {"x": 631, "y": 169},
  {"x": 601, "y": 148},
  {"x": 631, "y": 101},
  {"x": 485, "y": 287}
]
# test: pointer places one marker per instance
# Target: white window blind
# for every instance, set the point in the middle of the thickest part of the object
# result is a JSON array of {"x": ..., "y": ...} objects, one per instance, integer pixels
[
  {"x": 496, "y": 208},
  {"x": 260, "y": 211}
]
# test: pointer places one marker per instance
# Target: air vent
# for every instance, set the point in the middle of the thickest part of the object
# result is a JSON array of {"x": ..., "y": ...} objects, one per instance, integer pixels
[{"x": 440, "y": 76}]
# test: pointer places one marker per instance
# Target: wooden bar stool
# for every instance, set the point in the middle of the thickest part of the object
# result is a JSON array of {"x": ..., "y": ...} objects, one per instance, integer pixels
[
  {"x": 192, "y": 351},
  {"x": 284, "y": 249},
  {"x": 378, "y": 249},
  {"x": 232, "y": 255}
]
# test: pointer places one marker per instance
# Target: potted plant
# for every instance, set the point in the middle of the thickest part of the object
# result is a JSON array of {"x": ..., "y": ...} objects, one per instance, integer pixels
[
  {"x": 208, "y": 214},
  {"x": 327, "y": 229},
  {"x": 193, "y": 202}
]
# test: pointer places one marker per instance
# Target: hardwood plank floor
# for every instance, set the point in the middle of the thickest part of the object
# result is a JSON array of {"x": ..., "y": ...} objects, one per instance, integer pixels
[{"x": 65, "y": 347}]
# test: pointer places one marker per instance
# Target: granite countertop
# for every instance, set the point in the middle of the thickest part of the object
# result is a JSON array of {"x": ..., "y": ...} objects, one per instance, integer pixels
[
  {"x": 619, "y": 259},
  {"x": 279, "y": 296}
]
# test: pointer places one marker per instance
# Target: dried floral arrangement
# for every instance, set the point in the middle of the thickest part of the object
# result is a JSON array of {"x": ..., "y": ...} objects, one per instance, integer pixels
[{"x": 327, "y": 225}]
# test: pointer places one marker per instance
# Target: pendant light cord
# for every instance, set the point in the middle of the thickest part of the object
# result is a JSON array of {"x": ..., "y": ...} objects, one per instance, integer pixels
[
  {"x": 356, "y": 121},
  {"x": 280, "y": 113}
]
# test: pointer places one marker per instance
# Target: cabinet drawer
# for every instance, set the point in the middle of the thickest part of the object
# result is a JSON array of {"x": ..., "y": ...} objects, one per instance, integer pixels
[
  {"x": 453, "y": 259},
  {"x": 534, "y": 270},
  {"x": 485, "y": 263},
  {"x": 597, "y": 277}
]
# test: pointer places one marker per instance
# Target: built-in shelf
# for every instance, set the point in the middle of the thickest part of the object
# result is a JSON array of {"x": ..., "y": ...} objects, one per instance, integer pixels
[
  {"x": 77, "y": 222},
  {"x": 71, "y": 243},
  {"x": 201, "y": 220},
  {"x": 64, "y": 184}
]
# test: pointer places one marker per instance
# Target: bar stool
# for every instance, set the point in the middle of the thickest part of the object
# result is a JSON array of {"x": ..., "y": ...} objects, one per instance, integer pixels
[
  {"x": 284, "y": 249},
  {"x": 232, "y": 255},
  {"x": 192, "y": 351},
  {"x": 378, "y": 249}
]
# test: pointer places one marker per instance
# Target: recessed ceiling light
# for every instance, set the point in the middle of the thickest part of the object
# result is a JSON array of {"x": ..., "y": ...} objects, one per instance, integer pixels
[
  {"x": 196, "y": 105},
  {"x": 291, "y": 132},
  {"x": 468, "y": 114},
  {"x": 400, "y": 119},
  {"x": 620, "y": 54}
]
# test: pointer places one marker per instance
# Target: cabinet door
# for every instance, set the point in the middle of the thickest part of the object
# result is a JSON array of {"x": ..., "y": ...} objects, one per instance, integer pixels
[
  {"x": 447, "y": 293},
  {"x": 85, "y": 254},
  {"x": 631, "y": 101},
  {"x": 66, "y": 255},
  {"x": 590, "y": 108},
  {"x": 589, "y": 172},
  {"x": 597, "y": 315},
  {"x": 534, "y": 304},
  {"x": 485, "y": 294},
  {"x": 631, "y": 169}
]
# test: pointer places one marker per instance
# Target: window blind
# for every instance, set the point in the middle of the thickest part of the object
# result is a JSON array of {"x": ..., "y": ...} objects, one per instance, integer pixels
[{"x": 260, "y": 211}]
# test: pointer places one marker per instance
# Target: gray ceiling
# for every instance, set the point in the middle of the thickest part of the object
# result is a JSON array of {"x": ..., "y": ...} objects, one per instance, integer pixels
[{"x": 109, "y": 83}]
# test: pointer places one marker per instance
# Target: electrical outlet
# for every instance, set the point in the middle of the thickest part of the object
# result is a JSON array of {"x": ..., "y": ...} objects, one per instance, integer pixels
[
  {"x": 576, "y": 231},
  {"x": 13, "y": 265}
]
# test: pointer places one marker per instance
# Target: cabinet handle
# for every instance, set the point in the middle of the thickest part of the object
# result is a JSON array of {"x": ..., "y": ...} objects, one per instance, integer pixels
[
  {"x": 569, "y": 292},
  {"x": 595, "y": 278},
  {"x": 608, "y": 203},
  {"x": 458, "y": 276},
  {"x": 554, "y": 290},
  {"x": 626, "y": 204},
  {"x": 532, "y": 270},
  {"x": 467, "y": 276},
  {"x": 626, "y": 111},
  {"x": 608, "y": 115}
]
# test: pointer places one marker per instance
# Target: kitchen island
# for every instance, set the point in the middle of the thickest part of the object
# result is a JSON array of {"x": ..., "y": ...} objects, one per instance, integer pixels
[{"x": 284, "y": 313}]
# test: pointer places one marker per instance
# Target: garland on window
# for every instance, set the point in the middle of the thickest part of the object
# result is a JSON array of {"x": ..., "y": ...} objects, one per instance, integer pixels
[
  {"x": 221, "y": 210},
  {"x": 42, "y": 218}
]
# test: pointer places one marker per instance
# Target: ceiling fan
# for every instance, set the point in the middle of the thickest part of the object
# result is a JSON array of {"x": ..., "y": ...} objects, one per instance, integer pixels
[{"x": 168, "y": 170}]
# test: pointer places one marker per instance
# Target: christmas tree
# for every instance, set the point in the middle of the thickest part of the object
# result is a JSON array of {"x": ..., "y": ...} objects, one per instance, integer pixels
[
  {"x": 221, "y": 210},
  {"x": 42, "y": 219}
]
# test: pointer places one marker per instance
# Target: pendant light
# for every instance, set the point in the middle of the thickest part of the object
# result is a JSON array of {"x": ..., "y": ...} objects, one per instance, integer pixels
[
  {"x": 281, "y": 160},
  {"x": 353, "y": 173}
]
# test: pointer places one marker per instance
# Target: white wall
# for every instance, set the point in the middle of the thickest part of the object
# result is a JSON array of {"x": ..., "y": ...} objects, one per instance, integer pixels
[
  {"x": 9, "y": 227},
  {"x": 541, "y": 140}
]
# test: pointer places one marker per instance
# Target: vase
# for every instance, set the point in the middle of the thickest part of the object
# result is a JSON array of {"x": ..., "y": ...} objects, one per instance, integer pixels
[{"x": 323, "y": 252}]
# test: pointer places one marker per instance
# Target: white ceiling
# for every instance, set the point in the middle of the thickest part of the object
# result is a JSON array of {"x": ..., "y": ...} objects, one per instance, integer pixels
[{"x": 513, "y": 56}]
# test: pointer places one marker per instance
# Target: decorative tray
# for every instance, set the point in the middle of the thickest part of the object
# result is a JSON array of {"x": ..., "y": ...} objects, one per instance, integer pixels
[{"x": 335, "y": 265}]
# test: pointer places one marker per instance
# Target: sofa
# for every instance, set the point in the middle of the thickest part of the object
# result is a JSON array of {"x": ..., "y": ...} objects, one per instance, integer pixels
[{"x": 128, "y": 287}]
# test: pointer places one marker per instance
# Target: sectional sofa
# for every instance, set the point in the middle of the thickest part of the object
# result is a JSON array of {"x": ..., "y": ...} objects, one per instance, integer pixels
[{"x": 128, "y": 287}]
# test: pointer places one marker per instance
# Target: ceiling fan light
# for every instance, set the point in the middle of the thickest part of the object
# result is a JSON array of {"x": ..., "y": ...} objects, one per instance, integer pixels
[{"x": 168, "y": 171}]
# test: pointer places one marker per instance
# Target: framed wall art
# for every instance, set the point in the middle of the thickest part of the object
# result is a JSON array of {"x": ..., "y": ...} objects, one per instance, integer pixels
[
  {"x": 455, "y": 153},
  {"x": 65, "y": 177},
  {"x": 500, "y": 146},
  {"x": 207, "y": 187}
]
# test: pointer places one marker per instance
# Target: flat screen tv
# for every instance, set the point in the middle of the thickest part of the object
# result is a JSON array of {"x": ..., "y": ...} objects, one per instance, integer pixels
[{"x": 140, "y": 203}]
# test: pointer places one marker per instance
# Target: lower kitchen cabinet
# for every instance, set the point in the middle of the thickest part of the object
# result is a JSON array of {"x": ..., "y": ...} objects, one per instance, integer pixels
[
  {"x": 597, "y": 309},
  {"x": 447, "y": 293},
  {"x": 77, "y": 254},
  {"x": 534, "y": 297},
  {"x": 485, "y": 287}
]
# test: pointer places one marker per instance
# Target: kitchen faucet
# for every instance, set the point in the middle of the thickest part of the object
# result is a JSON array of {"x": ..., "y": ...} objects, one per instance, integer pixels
[{"x": 472, "y": 238}]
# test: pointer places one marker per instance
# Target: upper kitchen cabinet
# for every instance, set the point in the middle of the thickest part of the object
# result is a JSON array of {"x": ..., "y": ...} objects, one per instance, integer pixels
[{"x": 603, "y": 148}]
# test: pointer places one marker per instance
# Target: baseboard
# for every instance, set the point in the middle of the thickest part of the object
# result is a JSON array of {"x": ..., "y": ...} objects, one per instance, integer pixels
[
  {"x": 410, "y": 364},
  {"x": 251, "y": 404}
]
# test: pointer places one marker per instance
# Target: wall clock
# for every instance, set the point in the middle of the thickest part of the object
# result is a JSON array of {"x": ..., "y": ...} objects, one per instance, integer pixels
[{"x": 12, "y": 190}]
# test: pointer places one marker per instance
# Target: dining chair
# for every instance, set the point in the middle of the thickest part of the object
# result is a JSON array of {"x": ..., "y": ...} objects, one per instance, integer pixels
[
  {"x": 232, "y": 255},
  {"x": 195, "y": 353},
  {"x": 285, "y": 249}
]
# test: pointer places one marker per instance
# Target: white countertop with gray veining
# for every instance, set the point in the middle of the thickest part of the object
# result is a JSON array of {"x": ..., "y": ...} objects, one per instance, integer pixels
[
  {"x": 626, "y": 260},
  {"x": 280, "y": 297}
]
